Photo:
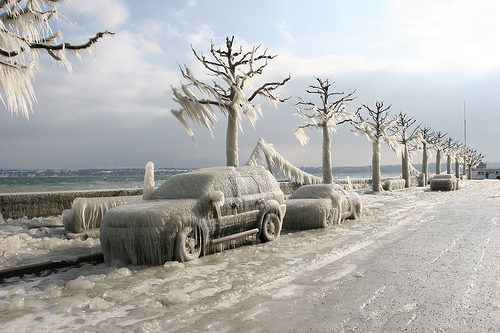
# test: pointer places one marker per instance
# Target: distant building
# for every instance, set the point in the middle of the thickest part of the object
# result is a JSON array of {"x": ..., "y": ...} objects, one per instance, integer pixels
[{"x": 482, "y": 172}]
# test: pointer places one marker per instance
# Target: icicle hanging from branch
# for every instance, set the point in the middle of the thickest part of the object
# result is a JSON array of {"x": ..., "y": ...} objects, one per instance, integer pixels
[{"x": 280, "y": 164}]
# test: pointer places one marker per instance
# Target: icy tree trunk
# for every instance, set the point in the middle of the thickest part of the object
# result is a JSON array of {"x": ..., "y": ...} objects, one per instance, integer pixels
[
  {"x": 438, "y": 162},
  {"x": 457, "y": 167},
  {"x": 376, "y": 165},
  {"x": 425, "y": 163},
  {"x": 327, "y": 157},
  {"x": 464, "y": 167},
  {"x": 232, "y": 140},
  {"x": 406, "y": 166},
  {"x": 469, "y": 171},
  {"x": 448, "y": 164}
]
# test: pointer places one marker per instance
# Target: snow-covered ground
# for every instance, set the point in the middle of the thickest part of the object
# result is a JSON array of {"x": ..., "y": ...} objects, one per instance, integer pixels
[{"x": 417, "y": 261}]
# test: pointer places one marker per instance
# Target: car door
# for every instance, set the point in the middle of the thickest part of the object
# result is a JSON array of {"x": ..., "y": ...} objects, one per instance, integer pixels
[
  {"x": 229, "y": 221},
  {"x": 251, "y": 201}
]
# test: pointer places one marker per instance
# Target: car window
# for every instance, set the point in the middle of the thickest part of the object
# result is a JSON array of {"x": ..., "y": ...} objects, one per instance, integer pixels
[
  {"x": 185, "y": 186},
  {"x": 226, "y": 186},
  {"x": 247, "y": 185}
]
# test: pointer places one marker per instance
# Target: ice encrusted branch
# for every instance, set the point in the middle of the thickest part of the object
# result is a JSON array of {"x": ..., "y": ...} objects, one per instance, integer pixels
[
  {"x": 265, "y": 151},
  {"x": 24, "y": 32}
]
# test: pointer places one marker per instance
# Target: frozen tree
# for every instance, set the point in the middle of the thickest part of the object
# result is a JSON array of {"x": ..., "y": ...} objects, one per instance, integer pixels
[
  {"x": 471, "y": 158},
  {"x": 376, "y": 128},
  {"x": 426, "y": 143},
  {"x": 408, "y": 138},
  {"x": 232, "y": 92},
  {"x": 325, "y": 118},
  {"x": 24, "y": 32},
  {"x": 450, "y": 148},
  {"x": 437, "y": 142}
]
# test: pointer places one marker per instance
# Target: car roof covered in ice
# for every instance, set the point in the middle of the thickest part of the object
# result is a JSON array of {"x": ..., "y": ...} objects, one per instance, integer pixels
[
  {"x": 316, "y": 191},
  {"x": 196, "y": 184}
]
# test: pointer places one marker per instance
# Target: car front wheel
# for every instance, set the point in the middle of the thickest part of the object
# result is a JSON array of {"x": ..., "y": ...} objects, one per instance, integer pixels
[
  {"x": 188, "y": 244},
  {"x": 271, "y": 227}
]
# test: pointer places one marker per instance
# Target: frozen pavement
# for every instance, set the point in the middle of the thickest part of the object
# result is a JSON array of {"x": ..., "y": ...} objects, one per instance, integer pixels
[{"x": 417, "y": 260}]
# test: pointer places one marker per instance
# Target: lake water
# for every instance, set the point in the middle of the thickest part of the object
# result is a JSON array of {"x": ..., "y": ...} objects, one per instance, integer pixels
[{"x": 10, "y": 185}]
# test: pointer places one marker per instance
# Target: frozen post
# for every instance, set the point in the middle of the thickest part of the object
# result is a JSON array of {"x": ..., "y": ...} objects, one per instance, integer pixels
[{"x": 149, "y": 181}]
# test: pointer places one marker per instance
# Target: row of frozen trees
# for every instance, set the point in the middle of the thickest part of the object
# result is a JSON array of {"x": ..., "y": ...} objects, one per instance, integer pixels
[{"x": 232, "y": 92}]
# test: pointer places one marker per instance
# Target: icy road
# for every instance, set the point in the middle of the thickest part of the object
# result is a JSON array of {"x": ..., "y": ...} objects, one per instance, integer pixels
[{"x": 416, "y": 261}]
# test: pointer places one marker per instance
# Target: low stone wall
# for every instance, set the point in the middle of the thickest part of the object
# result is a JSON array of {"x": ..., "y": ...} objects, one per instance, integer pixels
[{"x": 32, "y": 205}]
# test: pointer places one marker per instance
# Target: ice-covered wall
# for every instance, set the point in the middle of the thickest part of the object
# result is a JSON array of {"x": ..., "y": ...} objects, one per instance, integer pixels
[{"x": 32, "y": 205}]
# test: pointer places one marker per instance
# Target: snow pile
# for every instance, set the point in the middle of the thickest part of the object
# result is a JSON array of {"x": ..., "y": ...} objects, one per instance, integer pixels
[
  {"x": 393, "y": 184},
  {"x": 87, "y": 213},
  {"x": 27, "y": 241}
]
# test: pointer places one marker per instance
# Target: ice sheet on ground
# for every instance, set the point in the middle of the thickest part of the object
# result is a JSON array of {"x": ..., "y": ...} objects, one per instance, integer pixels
[{"x": 234, "y": 289}]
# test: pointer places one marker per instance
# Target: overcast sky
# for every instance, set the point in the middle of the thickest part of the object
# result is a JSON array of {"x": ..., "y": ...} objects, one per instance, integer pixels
[{"x": 424, "y": 57}]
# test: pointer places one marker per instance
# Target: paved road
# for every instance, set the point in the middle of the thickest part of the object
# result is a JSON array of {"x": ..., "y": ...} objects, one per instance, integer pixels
[{"x": 436, "y": 270}]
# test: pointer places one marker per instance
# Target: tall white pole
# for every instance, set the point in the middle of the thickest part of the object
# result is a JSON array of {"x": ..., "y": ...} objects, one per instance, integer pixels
[{"x": 465, "y": 127}]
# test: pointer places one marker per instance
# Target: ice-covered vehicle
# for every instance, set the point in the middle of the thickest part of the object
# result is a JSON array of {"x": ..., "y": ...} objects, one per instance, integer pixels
[
  {"x": 444, "y": 182},
  {"x": 193, "y": 214},
  {"x": 320, "y": 205}
]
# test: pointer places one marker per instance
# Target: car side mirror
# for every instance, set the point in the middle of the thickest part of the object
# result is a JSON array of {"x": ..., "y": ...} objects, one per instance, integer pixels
[{"x": 216, "y": 199}]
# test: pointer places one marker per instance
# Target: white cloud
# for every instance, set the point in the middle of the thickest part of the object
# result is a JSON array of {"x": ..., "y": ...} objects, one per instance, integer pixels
[
  {"x": 457, "y": 33},
  {"x": 109, "y": 13},
  {"x": 285, "y": 31},
  {"x": 202, "y": 36}
]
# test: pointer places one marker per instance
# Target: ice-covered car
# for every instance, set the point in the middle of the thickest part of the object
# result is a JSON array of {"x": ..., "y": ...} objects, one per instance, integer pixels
[
  {"x": 193, "y": 214},
  {"x": 320, "y": 205},
  {"x": 444, "y": 182}
]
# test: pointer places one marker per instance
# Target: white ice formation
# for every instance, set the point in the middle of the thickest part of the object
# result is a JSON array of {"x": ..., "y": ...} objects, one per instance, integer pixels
[
  {"x": 87, "y": 213},
  {"x": 149, "y": 181},
  {"x": 393, "y": 184},
  {"x": 266, "y": 151}
]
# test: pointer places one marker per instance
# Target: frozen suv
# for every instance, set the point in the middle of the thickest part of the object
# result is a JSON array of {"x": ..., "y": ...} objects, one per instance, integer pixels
[{"x": 193, "y": 214}]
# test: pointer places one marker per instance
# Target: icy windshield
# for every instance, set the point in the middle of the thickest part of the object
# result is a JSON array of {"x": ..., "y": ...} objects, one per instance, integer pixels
[{"x": 185, "y": 186}]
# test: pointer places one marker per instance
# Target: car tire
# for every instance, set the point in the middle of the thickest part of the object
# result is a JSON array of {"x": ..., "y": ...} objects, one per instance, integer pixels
[
  {"x": 188, "y": 244},
  {"x": 271, "y": 227}
]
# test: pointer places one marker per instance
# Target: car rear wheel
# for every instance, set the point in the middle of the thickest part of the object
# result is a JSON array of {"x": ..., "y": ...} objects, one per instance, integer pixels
[
  {"x": 271, "y": 227},
  {"x": 188, "y": 244}
]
